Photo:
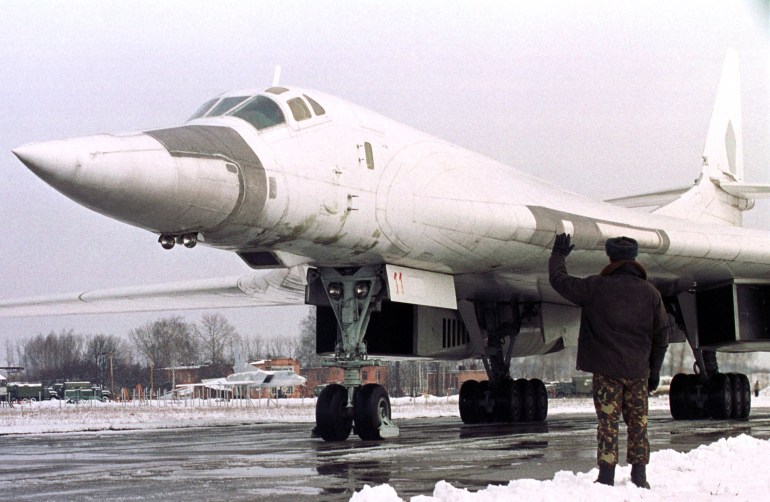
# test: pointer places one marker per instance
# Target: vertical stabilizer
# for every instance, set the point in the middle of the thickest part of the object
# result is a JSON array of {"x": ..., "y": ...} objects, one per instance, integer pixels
[
  {"x": 719, "y": 195},
  {"x": 723, "y": 154}
]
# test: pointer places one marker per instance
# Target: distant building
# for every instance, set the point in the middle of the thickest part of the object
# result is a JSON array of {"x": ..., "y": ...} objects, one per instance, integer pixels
[
  {"x": 3, "y": 388},
  {"x": 319, "y": 377},
  {"x": 448, "y": 382}
]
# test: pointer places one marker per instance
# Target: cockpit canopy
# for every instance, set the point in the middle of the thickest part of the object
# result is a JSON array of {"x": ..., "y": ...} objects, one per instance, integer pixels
[{"x": 259, "y": 110}]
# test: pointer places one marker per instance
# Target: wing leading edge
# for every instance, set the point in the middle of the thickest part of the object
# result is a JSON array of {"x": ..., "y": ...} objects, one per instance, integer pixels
[{"x": 285, "y": 286}]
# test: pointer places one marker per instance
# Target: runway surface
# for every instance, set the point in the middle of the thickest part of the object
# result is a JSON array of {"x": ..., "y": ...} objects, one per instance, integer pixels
[{"x": 281, "y": 461}]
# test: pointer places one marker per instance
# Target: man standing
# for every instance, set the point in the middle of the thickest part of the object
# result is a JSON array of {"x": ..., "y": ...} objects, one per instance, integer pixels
[{"x": 623, "y": 339}]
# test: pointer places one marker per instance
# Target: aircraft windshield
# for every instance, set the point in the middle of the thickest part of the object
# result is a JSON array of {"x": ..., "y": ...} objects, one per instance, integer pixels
[
  {"x": 261, "y": 112},
  {"x": 200, "y": 112},
  {"x": 226, "y": 105}
]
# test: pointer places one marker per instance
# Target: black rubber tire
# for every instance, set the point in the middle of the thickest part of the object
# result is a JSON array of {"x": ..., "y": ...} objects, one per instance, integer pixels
[
  {"x": 746, "y": 403},
  {"x": 698, "y": 411},
  {"x": 679, "y": 400},
  {"x": 468, "y": 402},
  {"x": 485, "y": 415},
  {"x": 331, "y": 416},
  {"x": 720, "y": 397},
  {"x": 737, "y": 395},
  {"x": 540, "y": 395},
  {"x": 527, "y": 399},
  {"x": 507, "y": 404},
  {"x": 371, "y": 404}
]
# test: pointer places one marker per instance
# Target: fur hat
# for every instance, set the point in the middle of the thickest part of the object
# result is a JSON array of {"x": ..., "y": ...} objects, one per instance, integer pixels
[{"x": 621, "y": 248}]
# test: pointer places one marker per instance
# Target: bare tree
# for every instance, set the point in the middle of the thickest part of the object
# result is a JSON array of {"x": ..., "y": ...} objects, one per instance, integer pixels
[
  {"x": 13, "y": 351},
  {"x": 166, "y": 342},
  {"x": 280, "y": 347},
  {"x": 251, "y": 347},
  {"x": 216, "y": 337},
  {"x": 305, "y": 343},
  {"x": 100, "y": 352},
  {"x": 54, "y": 356}
]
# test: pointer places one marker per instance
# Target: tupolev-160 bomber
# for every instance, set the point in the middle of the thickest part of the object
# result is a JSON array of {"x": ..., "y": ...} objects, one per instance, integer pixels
[{"x": 413, "y": 247}]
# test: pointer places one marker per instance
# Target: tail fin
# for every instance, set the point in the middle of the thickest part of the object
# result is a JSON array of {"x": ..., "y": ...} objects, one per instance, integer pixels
[
  {"x": 723, "y": 154},
  {"x": 720, "y": 195}
]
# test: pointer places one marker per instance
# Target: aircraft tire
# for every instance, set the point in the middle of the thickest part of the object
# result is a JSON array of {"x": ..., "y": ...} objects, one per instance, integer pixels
[
  {"x": 332, "y": 420},
  {"x": 527, "y": 412},
  {"x": 698, "y": 409},
  {"x": 540, "y": 395},
  {"x": 371, "y": 405},
  {"x": 736, "y": 395},
  {"x": 719, "y": 397},
  {"x": 679, "y": 398},
  {"x": 485, "y": 415},
  {"x": 468, "y": 402},
  {"x": 746, "y": 402},
  {"x": 508, "y": 404}
]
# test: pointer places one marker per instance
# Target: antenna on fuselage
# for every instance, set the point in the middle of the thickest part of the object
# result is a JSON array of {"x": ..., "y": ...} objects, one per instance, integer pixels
[{"x": 276, "y": 75}]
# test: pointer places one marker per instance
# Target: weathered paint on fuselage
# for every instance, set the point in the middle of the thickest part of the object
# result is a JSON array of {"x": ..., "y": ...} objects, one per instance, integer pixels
[
  {"x": 432, "y": 205},
  {"x": 350, "y": 187}
]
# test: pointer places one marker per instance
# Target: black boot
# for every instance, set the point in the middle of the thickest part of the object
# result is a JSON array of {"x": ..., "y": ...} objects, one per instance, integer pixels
[
  {"x": 606, "y": 474},
  {"x": 639, "y": 476}
]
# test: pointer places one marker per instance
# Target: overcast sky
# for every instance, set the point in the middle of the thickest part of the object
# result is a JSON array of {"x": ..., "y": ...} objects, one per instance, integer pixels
[{"x": 603, "y": 98}]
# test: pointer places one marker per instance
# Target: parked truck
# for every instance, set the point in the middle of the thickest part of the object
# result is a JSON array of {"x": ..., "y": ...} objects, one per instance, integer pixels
[
  {"x": 579, "y": 386},
  {"x": 73, "y": 392},
  {"x": 29, "y": 392}
]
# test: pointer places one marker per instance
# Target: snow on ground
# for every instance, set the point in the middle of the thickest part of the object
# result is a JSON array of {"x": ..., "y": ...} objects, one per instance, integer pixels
[
  {"x": 733, "y": 469},
  {"x": 59, "y": 416}
]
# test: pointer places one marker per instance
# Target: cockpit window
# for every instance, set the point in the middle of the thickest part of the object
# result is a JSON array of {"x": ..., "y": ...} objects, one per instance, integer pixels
[
  {"x": 299, "y": 109},
  {"x": 261, "y": 112},
  {"x": 226, "y": 105},
  {"x": 200, "y": 112},
  {"x": 318, "y": 109}
]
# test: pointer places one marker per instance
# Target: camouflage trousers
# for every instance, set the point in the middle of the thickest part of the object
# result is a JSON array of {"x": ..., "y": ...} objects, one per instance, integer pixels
[{"x": 613, "y": 397}]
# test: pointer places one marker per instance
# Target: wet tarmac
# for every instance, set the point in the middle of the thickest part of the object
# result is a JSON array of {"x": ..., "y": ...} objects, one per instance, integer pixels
[{"x": 281, "y": 461}]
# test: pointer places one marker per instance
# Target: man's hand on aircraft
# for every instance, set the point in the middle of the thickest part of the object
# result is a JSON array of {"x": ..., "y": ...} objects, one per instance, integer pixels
[{"x": 562, "y": 246}]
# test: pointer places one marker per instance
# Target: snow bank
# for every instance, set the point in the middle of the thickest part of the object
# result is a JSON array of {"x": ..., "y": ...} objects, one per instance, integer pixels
[{"x": 734, "y": 469}]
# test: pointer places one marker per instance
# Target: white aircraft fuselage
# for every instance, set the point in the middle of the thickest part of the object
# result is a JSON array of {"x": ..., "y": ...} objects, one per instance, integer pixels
[{"x": 349, "y": 187}]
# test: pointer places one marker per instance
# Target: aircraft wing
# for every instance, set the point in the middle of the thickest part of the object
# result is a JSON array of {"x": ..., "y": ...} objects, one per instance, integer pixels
[{"x": 283, "y": 286}]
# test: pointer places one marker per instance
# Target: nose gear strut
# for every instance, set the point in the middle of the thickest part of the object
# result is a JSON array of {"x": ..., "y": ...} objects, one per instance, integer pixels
[{"x": 353, "y": 293}]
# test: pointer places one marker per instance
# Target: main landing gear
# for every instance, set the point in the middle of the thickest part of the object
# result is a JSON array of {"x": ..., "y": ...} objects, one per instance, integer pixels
[
  {"x": 709, "y": 393},
  {"x": 500, "y": 398},
  {"x": 511, "y": 401},
  {"x": 352, "y": 406}
]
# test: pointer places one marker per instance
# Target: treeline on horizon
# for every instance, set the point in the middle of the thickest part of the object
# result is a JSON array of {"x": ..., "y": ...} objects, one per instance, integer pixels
[{"x": 111, "y": 360}]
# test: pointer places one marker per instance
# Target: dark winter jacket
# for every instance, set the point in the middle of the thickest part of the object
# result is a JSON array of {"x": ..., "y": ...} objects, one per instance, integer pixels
[{"x": 624, "y": 327}]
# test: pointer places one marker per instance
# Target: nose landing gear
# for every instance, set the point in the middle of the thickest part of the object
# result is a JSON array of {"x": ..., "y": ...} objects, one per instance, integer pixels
[
  {"x": 365, "y": 409},
  {"x": 189, "y": 240}
]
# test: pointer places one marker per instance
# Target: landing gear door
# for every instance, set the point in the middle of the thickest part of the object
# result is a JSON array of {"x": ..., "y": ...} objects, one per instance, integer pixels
[
  {"x": 561, "y": 321},
  {"x": 419, "y": 287}
]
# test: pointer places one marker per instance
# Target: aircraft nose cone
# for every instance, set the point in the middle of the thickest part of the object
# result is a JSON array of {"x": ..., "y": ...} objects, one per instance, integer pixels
[
  {"x": 133, "y": 178},
  {"x": 52, "y": 161}
]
